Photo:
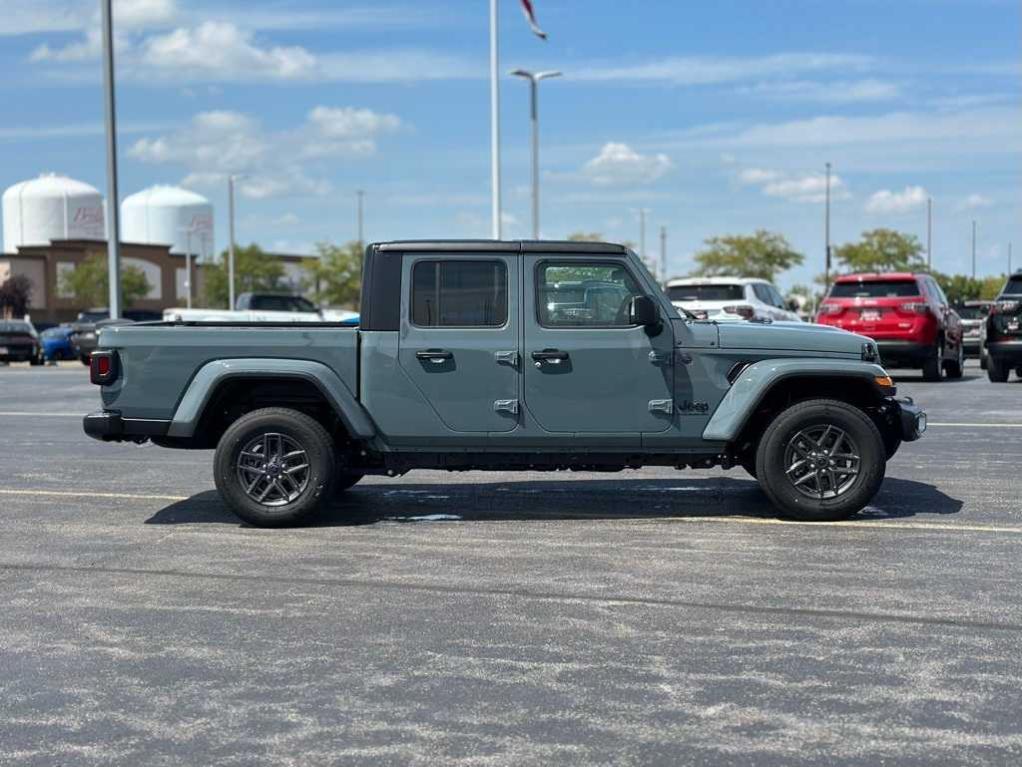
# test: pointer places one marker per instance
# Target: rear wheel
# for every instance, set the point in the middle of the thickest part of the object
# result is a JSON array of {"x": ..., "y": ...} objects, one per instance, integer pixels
[
  {"x": 997, "y": 371},
  {"x": 954, "y": 368},
  {"x": 934, "y": 364},
  {"x": 821, "y": 460},
  {"x": 275, "y": 466}
]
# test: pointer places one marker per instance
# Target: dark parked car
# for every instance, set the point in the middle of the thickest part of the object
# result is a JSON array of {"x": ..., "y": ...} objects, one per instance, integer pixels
[
  {"x": 57, "y": 343},
  {"x": 973, "y": 315},
  {"x": 1004, "y": 332},
  {"x": 906, "y": 314},
  {"x": 85, "y": 334},
  {"x": 19, "y": 342}
]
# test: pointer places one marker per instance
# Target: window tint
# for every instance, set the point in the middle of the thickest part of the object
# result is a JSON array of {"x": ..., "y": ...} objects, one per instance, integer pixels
[
  {"x": 875, "y": 289},
  {"x": 779, "y": 301},
  {"x": 938, "y": 292},
  {"x": 763, "y": 293},
  {"x": 13, "y": 326},
  {"x": 584, "y": 294},
  {"x": 973, "y": 312},
  {"x": 459, "y": 293},
  {"x": 705, "y": 293}
]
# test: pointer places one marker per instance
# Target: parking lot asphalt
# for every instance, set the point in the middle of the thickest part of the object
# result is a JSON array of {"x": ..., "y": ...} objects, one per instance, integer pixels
[{"x": 648, "y": 617}]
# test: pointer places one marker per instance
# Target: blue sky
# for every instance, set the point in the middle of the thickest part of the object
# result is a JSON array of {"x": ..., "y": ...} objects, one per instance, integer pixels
[{"x": 715, "y": 117}]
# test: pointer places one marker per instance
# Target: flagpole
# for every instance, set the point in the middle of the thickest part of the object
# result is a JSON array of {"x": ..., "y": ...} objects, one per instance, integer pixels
[{"x": 494, "y": 123}]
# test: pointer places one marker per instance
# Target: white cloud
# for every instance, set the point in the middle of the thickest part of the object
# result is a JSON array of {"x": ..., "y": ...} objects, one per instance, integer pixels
[
  {"x": 836, "y": 92},
  {"x": 974, "y": 201},
  {"x": 218, "y": 143},
  {"x": 757, "y": 176},
  {"x": 809, "y": 187},
  {"x": 886, "y": 201},
  {"x": 287, "y": 219},
  {"x": 226, "y": 51},
  {"x": 619, "y": 164},
  {"x": 709, "y": 70}
]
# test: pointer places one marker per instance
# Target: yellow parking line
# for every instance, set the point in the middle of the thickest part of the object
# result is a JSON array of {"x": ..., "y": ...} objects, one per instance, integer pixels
[
  {"x": 878, "y": 524},
  {"x": 68, "y": 494},
  {"x": 977, "y": 425},
  {"x": 863, "y": 524}
]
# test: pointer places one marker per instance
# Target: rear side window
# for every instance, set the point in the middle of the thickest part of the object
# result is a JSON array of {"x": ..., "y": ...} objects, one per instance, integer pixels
[
  {"x": 706, "y": 293},
  {"x": 453, "y": 293},
  {"x": 875, "y": 289},
  {"x": 1014, "y": 286}
]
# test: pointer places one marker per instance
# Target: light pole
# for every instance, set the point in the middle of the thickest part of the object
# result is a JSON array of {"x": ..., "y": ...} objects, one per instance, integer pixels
[
  {"x": 230, "y": 241},
  {"x": 494, "y": 121},
  {"x": 534, "y": 78},
  {"x": 929, "y": 233},
  {"x": 642, "y": 234},
  {"x": 826, "y": 234},
  {"x": 189, "y": 231},
  {"x": 663, "y": 254},
  {"x": 974, "y": 249},
  {"x": 113, "y": 227}
]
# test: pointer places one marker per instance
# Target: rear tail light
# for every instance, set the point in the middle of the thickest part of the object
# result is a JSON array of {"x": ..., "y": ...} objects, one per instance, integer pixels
[
  {"x": 103, "y": 367},
  {"x": 745, "y": 312},
  {"x": 915, "y": 307},
  {"x": 826, "y": 309}
]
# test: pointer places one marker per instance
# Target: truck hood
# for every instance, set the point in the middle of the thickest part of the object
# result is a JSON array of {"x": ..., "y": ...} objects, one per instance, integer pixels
[{"x": 790, "y": 336}]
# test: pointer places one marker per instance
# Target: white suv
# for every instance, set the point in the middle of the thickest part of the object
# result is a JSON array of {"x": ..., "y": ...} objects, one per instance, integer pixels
[{"x": 730, "y": 298}]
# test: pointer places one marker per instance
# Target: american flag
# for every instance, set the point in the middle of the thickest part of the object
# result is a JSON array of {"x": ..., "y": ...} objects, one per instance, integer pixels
[{"x": 530, "y": 16}]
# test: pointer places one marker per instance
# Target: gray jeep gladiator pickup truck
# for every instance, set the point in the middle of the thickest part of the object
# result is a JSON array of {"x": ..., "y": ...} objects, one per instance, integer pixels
[{"x": 506, "y": 355}]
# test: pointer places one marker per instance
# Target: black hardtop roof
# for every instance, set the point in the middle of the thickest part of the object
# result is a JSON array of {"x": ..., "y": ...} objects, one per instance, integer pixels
[{"x": 497, "y": 246}]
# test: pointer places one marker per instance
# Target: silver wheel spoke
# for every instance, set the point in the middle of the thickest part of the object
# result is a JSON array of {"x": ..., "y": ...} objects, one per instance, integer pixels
[
  {"x": 273, "y": 469},
  {"x": 822, "y": 461}
]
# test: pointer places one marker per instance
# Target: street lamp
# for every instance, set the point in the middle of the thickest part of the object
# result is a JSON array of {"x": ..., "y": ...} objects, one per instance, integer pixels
[
  {"x": 231, "y": 178},
  {"x": 534, "y": 78}
]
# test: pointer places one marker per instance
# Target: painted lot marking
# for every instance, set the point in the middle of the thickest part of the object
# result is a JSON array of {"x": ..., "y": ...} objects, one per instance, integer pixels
[
  {"x": 740, "y": 520},
  {"x": 26, "y": 414}
]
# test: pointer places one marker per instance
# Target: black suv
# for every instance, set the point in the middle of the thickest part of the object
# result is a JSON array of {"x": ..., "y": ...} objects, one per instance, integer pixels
[{"x": 1004, "y": 332}]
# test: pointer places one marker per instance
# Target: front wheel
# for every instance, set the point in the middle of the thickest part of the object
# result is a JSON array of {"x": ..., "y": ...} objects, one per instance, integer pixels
[
  {"x": 997, "y": 371},
  {"x": 275, "y": 466},
  {"x": 821, "y": 460}
]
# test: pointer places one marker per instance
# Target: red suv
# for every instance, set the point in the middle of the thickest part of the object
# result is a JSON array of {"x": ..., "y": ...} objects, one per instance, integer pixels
[{"x": 906, "y": 314}]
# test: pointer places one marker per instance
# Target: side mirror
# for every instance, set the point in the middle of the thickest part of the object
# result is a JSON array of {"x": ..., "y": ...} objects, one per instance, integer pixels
[{"x": 643, "y": 311}]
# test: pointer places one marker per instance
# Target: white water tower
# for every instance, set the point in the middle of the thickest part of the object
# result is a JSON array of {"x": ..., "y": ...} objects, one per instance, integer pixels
[
  {"x": 51, "y": 207},
  {"x": 164, "y": 215}
]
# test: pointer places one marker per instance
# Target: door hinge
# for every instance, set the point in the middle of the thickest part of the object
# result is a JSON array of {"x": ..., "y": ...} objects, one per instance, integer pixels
[
  {"x": 661, "y": 406},
  {"x": 507, "y": 358},
  {"x": 506, "y": 406}
]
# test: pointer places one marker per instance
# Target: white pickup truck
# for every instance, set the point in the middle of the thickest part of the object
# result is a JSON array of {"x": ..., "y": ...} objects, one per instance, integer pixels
[{"x": 263, "y": 307}]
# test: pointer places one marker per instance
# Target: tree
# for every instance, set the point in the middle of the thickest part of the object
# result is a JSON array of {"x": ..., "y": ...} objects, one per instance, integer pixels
[
  {"x": 585, "y": 237},
  {"x": 881, "y": 250},
  {"x": 763, "y": 255},
  {"x": 89, "y": 283},
  {"x": 336, "y": 274},
  {"x": 961, "y": 287},
  {"x": 254, "y": 271},
  {"x": 15, "y": 294}
]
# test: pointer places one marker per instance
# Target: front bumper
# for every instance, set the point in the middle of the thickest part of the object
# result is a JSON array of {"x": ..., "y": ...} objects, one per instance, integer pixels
[
  {"x": 108, "y": 426},
  {"x": 912, "y": 419}
]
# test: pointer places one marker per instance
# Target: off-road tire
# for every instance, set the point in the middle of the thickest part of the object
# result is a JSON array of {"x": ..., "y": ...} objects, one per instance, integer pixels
[
  {"x": 997, "y": 371},
  {"x": 305, "y": 432},
  {"x": 771, "y": 469}
]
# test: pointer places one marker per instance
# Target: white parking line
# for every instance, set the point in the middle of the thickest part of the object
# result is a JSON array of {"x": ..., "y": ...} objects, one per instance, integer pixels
[
  {"x": 27, "y": 414},
  {"x": 977, "y": 425}
]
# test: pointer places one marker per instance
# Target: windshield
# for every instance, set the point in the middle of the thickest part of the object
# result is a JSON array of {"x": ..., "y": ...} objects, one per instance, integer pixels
[
  {"x": 973, "y": 312},
  {"x": 13, "y": 326},
  {"x": 875, "y": 289},
  {"x": 706, "y": 292},
  {"x": 1014, "y": 286}
]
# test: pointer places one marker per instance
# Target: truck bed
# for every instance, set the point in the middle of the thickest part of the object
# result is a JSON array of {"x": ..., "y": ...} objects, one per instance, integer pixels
[{"x": 158, "y": 360}]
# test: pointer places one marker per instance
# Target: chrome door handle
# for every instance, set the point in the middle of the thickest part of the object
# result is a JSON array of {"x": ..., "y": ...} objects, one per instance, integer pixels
[{"x": 436, "y": 356}]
